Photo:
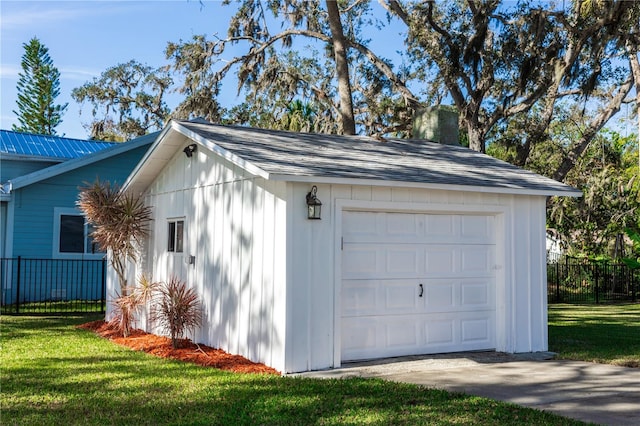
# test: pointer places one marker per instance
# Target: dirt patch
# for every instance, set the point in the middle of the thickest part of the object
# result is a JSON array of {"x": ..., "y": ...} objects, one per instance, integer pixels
[{"x": 189, "y": 352}]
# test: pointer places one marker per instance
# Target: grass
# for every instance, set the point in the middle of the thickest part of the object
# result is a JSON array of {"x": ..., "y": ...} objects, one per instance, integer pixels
[
  {"x": 53, "y": 373},
  {"x": 596, "y": 333}
]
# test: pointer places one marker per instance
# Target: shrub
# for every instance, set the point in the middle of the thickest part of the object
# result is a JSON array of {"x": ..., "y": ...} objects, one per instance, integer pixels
[
  {"x": 177, "y": 309},
  {"x": 126, "y": 306}
]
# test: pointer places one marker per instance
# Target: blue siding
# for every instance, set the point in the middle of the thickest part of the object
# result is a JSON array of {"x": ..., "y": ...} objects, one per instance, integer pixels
[
  {"x": 11, "y": 169},
  {"x": 34, "y": 204}
]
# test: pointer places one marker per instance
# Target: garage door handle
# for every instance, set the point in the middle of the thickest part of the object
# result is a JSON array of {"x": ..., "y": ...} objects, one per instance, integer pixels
[{"x": 421, "y": 290}]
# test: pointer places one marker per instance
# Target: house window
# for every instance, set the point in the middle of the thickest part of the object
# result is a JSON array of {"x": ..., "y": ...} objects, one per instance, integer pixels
[
  {"x": 176, "y": 236},
  {"x": 72, "y": 235}
]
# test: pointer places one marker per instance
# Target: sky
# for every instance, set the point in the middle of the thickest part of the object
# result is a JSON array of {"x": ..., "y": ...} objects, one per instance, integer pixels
[{"x": 85, "y": 38}]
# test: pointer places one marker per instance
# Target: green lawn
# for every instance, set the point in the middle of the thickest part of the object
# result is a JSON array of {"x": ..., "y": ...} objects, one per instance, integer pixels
[
  {"x": 597, "y": 333},
  {"x": 54, "y": 374}
]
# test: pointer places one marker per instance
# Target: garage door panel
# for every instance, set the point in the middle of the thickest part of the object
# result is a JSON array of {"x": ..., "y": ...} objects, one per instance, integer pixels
[
  {"x": 449, "y": 295},
  {"x": 476, "y": 293},
  {"x": 439, "y": 295},
  {"x": 476, "y": 229},
  {"x": 373, "y": 337},
  {"x": 359, "y": 298},
  {"x": 440, "y": 261},
  {"x": 400, "y": 333},
  {"x": 380, "y": 297},
  {"x": 440, "y": 332},
  {"x": 476, "y": 260},
  {"x": 359, "y": 336},
  {"x": 402, "y": 260},
  {"x": 361, "y": 261},
  {"x": 475, "y": 330},
  {"x": 416, "y": 284}
]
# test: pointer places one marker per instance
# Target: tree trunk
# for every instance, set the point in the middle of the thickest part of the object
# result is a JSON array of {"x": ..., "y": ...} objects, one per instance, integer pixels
[
  {"x": 635, "y": 69},
  {"x": 342, "y": 68},
  {"x": 476, "y": 137}
]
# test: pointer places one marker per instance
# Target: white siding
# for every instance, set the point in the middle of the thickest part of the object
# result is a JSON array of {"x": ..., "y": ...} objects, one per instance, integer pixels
[
  {"x": 235, "y": 228},
  {"x": 314, "y": 264},
  {"x": 270, "y": 279}
]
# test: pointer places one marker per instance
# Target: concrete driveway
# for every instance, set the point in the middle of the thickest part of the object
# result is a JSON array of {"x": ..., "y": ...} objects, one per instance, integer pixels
[{"x": 597, "y": 393}]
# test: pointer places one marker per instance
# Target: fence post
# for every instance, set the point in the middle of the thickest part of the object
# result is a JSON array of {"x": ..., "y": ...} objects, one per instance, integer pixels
[
  {"x": 558, "y": 281},
  {"x": 18, "y": 286},
  {"x": 104, "y": 283},
  {"x": 597, "y": 270}
]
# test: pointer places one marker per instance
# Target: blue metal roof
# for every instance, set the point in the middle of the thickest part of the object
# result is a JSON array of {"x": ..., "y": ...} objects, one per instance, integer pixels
[{"x": 31, "y": 145}]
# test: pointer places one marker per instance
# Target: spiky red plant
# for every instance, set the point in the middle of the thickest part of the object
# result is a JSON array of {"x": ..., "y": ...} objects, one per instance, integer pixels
[{"x": 177, "y": 309}]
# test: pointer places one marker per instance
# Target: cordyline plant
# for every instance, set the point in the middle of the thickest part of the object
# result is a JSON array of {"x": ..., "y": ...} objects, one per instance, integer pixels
[
  {"x": 120, "y": 220},
  {"x": 177, "y": 309},
  {"x": 126, "y": 307}
]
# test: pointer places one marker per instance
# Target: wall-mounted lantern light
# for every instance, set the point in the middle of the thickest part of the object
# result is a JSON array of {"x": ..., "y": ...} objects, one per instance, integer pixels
[
  {"x": 313, "y": 204},
  {"x": 190, "y": 149}
]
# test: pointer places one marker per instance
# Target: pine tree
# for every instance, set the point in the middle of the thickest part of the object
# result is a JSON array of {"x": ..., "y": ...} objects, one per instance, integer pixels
[{"x": 38, "y": 87}]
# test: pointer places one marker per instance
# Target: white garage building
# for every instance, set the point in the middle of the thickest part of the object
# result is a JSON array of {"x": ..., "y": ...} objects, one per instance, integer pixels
[{"x": 421, "y": 247}]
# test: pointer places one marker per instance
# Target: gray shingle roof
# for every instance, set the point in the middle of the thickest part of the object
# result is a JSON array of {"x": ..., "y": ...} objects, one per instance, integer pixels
[
  {"x": 32, "y": 145},
  {"x": 359, "y": 157}
]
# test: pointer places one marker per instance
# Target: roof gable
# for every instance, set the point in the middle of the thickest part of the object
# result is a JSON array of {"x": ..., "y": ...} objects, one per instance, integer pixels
[
  {"x": 47, "y": 147},
  {"x": 279, "y": 155}
]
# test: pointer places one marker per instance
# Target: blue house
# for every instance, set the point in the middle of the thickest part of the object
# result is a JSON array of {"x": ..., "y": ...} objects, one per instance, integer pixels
[{"x": 40, "y": 223}]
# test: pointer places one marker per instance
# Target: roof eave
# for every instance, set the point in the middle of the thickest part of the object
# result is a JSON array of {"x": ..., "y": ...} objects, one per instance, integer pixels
[
  {"x": 547, "y": 192},
  {"x": 227, "y": 155},
  {"x": 58, "y": 169},
  {"x": 139, "y": 181}
]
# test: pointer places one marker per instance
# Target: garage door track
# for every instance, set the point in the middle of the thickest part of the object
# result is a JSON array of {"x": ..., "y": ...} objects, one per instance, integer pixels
[{"x": 597, "y": 393}]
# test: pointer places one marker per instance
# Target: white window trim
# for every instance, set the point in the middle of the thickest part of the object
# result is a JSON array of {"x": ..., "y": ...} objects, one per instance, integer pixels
[
  {"x": 184, "y": 235},
  {"x": 56, "y": 254}
]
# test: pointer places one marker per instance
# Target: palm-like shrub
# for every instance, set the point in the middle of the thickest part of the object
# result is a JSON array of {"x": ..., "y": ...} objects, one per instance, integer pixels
[
  {"x": 120, "y": 220},
  {"x": 177, "y": 309}
]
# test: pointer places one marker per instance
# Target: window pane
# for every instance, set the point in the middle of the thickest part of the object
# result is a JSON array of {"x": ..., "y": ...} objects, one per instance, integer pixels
[
  {"x": 71, "y": 234},
  {"x": 179, "y": 235},
  {"x": 172, "y": 237}
]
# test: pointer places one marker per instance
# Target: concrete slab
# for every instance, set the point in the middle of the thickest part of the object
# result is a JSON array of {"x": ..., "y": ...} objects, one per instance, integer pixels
[{"x": 597, "y": 393}]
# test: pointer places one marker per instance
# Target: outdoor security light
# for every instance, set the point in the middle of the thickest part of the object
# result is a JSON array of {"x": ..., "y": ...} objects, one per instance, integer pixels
[
  {"x": 313, "y": 204},
  {"x": 190, "y": 149}
]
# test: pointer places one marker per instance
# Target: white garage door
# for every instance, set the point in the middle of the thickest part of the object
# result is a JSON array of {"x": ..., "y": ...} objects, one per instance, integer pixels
[{"x": 416, "y": 284}]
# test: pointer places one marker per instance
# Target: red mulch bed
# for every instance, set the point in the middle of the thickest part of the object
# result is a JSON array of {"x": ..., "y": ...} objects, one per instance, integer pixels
[{"x": 188, "y": 351}]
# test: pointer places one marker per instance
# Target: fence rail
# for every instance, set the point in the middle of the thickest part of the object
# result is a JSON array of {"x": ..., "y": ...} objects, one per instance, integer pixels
[
  {"x": 52, "y": 286},
  {"x": 588, "y": 281}
]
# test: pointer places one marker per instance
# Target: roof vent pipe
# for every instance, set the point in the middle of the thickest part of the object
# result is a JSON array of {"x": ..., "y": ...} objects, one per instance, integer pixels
[{"x": 438, "y": 124}]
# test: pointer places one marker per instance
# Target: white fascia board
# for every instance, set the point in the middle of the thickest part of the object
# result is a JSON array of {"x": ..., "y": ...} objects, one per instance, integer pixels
[
  {"x": 133, "y": 176},
  {"x": 227, "y": 155},
  {"x": 76, "y": 163},
  {"x": 446, "y": 187}
]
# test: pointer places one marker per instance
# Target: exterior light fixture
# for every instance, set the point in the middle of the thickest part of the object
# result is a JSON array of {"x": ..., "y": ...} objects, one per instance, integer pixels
[
  {"x": 314, "y": 205},
  {"x": 190, "y": 149}
]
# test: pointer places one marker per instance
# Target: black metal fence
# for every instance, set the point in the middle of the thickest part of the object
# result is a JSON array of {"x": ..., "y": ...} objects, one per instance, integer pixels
[
  {"x": 575, "y": 280},
  {"x": 52, "y": 286}
]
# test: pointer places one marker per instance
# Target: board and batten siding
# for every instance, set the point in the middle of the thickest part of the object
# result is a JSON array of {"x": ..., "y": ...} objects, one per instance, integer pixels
[
  {"x": 235, "y": 231},
  {"x": 314, "y": 270}
]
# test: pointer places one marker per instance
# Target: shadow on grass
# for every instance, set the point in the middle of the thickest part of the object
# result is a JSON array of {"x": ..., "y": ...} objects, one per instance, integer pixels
[{"x": 57, "y": 374}]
